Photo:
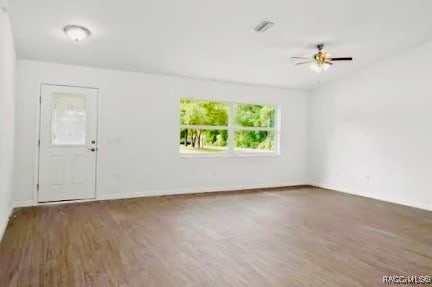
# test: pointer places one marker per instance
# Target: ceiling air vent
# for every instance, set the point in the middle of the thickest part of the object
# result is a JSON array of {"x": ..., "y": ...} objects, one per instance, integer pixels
[{"x": 263, "y": 26}]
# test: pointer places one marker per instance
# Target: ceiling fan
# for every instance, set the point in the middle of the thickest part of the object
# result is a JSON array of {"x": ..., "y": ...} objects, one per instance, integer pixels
[{"x": 321, "y": 61}]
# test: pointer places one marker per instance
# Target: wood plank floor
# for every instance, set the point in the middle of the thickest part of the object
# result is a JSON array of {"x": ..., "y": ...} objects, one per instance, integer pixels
[{"x": 297, "y": 237}]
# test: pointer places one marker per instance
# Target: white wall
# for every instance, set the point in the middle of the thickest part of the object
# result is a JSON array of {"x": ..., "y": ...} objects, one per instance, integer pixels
[
  {"x": 7, "y": 117},
  {"x": 371, "y": 134},
  {"x": 139, "y": 129}
]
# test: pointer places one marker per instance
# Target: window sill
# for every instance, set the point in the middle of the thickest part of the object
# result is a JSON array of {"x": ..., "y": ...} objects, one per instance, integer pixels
[{"x": 204, "y": 155}]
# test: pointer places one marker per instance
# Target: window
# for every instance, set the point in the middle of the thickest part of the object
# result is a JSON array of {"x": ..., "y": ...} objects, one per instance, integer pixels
[
  {"x": 208, "y": 127},
  {"x": 68, "y": 120},
  {"x": 254, "y": 128}
]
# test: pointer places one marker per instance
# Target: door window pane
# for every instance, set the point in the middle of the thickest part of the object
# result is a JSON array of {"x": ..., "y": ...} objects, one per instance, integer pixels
[{"x": 68, "y": 120}]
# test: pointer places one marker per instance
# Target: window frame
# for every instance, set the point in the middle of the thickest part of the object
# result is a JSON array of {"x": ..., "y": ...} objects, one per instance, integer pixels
[{"x": 231, "y": 128}]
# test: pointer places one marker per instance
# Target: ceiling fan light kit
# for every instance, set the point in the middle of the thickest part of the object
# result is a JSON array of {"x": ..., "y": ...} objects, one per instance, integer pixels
[
  {"x": 320, "y": 61},
  {"x": 319, "y": 68}
]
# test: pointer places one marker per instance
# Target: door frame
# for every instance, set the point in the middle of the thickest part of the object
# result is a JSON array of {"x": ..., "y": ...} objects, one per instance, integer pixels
[{"x": 36, "y": 167}]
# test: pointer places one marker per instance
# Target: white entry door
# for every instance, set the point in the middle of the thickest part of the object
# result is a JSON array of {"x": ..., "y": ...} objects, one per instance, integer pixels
[{"x": 68, "y": 143}]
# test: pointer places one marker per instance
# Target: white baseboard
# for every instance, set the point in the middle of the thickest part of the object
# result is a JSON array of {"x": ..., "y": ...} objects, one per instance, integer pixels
[
  {"x": 4, "y": 221},
  {"x": 380, "y": 197},
  {"x": 25, "y": 203},
  {"x": 192, "y": 191},
  {"x": 111, "y": 196}
]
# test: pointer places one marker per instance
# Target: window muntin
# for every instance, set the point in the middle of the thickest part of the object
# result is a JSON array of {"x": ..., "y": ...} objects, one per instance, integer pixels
[{"x": 211, "y": 127}]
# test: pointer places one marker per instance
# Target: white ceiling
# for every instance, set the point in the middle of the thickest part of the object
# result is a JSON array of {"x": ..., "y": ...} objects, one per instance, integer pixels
[{"x": 212, "y": 39}]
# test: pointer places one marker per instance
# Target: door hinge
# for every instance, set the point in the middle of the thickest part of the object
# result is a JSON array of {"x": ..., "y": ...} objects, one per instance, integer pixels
[
  {"x": 37, "y": 187},
  {"x": 38, "y": 142}
]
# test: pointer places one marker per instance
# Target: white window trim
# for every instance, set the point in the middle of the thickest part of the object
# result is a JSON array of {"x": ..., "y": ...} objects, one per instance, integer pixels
[{"x": 232, "y": 128}]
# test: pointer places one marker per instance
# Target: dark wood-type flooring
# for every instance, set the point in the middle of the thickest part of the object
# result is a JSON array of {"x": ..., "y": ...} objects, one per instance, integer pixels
[{"x": 289, "y": 237}]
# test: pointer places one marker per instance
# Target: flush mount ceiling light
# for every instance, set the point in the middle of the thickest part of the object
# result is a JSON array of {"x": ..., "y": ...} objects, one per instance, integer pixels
[{"x": 76, "y": 33}]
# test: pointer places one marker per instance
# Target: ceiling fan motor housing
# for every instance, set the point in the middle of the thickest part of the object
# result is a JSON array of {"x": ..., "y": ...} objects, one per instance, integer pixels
[{"x": 322, "y": 60}]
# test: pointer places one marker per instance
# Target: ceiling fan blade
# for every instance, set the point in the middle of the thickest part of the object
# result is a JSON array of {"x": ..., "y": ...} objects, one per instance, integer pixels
[
  {"x": 307, "y": 62},
  {"x": 341, "y": 59},
  {"x": 303, "y": 58},
  {"x": 327, "y": 62}
]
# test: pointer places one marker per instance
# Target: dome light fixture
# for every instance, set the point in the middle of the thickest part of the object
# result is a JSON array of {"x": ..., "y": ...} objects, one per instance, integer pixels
[{"x": 76, "y": 33}]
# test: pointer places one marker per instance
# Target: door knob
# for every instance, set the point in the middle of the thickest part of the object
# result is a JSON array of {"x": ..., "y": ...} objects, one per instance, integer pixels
[{"x": 92, "y": 149}]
